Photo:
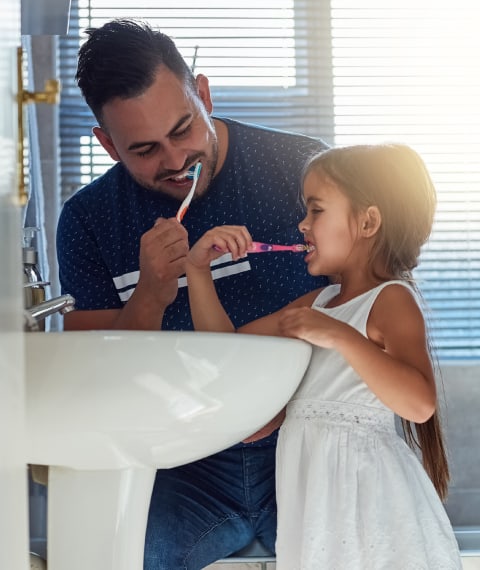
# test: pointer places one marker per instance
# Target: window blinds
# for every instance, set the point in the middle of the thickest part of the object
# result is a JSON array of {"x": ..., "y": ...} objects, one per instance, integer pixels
[
  {"x": 408, "y": 71},
  {"x": 403, "y": 70},
  {"x": 261, "y": 66}
]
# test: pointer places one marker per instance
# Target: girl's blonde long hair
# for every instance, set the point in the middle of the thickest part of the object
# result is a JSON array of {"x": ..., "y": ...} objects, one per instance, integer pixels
[{"x": 393, "y": 178}]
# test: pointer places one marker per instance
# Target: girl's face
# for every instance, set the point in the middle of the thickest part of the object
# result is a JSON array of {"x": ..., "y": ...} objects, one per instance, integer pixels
[{"x": 329, "y": 226}]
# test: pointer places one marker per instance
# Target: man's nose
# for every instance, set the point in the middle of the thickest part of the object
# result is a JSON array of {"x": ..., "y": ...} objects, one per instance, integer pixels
[{"x": 173, "y": 158}]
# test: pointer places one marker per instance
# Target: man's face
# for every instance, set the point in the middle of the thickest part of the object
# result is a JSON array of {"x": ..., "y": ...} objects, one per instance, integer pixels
[{"x": 160, "y": 134}]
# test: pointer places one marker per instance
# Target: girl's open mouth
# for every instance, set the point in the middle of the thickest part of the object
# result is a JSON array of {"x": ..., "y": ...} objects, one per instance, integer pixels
[{"x": 310, "y": 249}]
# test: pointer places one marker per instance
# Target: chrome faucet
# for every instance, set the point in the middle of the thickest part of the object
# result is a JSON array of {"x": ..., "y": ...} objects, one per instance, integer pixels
[
  {"x": 34, "y": 316},
  {"x": 33, "y": 284}
]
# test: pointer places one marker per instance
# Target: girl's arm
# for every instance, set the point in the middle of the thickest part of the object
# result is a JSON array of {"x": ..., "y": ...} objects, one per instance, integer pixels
[
  {"x": 394, "y": 360},
  {"x": 207, "y": 312}
]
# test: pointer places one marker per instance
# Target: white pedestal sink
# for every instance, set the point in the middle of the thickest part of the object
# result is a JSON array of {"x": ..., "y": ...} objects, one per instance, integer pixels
[{"x": 106, "y": 409}]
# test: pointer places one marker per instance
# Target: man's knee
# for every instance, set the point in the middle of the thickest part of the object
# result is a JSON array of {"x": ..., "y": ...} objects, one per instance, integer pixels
[{"x": 185, "y": 551}]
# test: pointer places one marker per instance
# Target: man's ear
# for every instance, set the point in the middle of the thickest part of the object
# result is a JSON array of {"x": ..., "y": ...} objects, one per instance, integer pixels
[
  {"x": 106, "y": 142},
  {"x": 203, "y": 89},
  {"x": 371, "y": 221}
]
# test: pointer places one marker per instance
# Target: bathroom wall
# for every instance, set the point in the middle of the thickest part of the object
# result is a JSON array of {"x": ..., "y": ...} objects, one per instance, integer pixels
[
  {"x": 13, "y": 498},
  {"x": 462, "y": 426},
  {"x": 40, "y": 17},
  {"x": 43, "y": 67}
]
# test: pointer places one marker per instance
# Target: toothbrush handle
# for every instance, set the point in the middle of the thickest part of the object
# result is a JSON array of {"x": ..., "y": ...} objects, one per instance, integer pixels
[
  {"x": 186, "y": 202},
  {"x": 258, "y": 247}
]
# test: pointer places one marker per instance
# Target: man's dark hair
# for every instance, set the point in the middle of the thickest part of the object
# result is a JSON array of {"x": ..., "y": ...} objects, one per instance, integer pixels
[{"x": 121, "y": 59}]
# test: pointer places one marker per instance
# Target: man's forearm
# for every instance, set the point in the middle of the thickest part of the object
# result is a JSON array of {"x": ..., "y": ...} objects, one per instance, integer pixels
[{"x": 137, "y": 314}]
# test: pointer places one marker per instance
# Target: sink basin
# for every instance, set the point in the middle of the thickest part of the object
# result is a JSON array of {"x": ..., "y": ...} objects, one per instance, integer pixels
[
  {"x": 106, "y": 409},
  {"x": 107, "y": 400}
]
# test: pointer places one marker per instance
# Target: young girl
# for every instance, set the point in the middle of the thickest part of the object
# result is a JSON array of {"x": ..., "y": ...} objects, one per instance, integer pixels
[{"x": 351, "y": 494}]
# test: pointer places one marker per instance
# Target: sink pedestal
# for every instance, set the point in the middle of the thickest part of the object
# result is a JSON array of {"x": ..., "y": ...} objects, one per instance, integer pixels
[{"x": 97, "y": 519}]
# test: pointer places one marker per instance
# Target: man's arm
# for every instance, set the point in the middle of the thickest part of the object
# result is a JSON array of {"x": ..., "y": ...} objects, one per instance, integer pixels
[{"x": 163, "y": 251}]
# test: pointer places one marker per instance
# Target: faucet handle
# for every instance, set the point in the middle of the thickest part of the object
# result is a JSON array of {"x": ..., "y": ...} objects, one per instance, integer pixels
[{"x": 36, "y": 284}]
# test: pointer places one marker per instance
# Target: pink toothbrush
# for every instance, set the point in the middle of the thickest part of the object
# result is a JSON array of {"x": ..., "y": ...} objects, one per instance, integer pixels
[{"x": 258, "y": 247}]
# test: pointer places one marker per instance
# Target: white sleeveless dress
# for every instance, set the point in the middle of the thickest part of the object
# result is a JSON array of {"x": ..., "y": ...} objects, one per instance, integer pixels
[{"x": 351, "y": 494}]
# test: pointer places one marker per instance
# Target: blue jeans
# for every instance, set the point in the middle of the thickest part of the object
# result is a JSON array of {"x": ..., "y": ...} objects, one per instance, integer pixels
[{"x": 209, "y": 509}]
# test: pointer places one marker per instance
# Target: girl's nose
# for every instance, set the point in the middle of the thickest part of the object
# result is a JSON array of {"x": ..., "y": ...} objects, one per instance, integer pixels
[{"x": 303, "y": 226}]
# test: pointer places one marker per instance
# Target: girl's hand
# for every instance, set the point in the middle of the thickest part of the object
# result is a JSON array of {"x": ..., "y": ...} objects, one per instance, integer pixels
[
  {"x": 312, "y": 326},
  {"x": 208, "y": 313},
  {"x": 218, "y": 241}
]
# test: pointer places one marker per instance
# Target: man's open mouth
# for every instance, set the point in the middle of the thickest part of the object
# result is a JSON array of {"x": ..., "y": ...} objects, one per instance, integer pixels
[{"x": 185, "y": 176}]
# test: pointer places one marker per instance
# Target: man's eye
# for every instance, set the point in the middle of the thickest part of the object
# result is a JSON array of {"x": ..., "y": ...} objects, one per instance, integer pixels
[
  {"x": 145, "y": 152},
  {"x": 183, "y": 132}
]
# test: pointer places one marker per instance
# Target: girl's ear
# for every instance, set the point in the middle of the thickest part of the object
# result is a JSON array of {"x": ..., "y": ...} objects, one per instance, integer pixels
[{"x": 371, "y": 220}]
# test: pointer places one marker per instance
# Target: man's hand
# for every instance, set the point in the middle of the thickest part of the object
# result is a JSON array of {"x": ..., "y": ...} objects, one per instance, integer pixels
[{"x": 163, "y": 253}]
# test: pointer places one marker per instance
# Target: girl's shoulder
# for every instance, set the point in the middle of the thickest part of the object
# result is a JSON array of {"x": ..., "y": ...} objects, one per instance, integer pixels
[
  {"x": 397, "y": 305},
  {"x": 397, "y": 290},
  {"x": 326, "y": 294}
]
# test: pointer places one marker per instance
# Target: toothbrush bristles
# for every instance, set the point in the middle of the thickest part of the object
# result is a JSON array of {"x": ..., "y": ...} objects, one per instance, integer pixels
[{"x": 301, "y": 247}]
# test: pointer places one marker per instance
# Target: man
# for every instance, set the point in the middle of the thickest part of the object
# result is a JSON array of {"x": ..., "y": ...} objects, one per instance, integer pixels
[{"x": 122, "y": 256}]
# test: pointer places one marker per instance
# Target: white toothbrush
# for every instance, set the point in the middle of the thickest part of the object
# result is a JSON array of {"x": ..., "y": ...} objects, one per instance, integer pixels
[{"x": 188, "y": 198}]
